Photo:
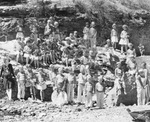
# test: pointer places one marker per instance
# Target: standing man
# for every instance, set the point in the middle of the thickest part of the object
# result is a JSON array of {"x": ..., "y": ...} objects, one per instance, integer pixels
[{"x": 93, "y": 35}]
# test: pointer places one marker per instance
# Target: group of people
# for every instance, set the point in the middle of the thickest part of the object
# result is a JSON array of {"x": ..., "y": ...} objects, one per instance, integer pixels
[{"x": 74, "y": 65}]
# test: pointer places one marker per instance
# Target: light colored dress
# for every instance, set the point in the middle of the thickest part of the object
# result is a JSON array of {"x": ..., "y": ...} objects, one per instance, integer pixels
[
  {"x": 130, "y": 54},
  {"x": 93, "y": 37},
  {"x": 19, "y": 33},
  {"x": 114, "y": 37},
  {"x": 86, "y": 32},
  {"x": 124, "y": 38}
]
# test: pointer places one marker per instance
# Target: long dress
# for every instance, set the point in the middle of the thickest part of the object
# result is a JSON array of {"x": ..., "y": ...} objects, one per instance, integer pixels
[
  {"x": 146, "y": 90},
  {"x": 86, "y": 32},
  {"x": 114, "y": 37},
  {"x": 124, "y": 38},
  {"x": 93, "y": 37},
  {"x": 19, "y": 33}
]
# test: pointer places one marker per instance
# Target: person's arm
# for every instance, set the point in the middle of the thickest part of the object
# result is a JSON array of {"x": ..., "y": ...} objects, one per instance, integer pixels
[
  {"x": 2, "y": 69},
  {"x": 146, "y": 75},
  {"x": 134, "y": 52},
  {"x": 122, "y": 78},
  {"x": 122, "y": 34},
  {"x": 115, "y": 72},
  {"x": 111, "y": 33}
]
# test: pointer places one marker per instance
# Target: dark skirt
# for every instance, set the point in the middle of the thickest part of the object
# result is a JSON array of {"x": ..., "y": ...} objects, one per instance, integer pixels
[{"x": 7, "y": 84}]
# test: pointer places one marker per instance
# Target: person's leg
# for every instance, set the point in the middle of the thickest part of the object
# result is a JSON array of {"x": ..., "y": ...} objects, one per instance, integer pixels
[
  {"x": 23, "y": 92},
  {"x": 126, "y": 48},
  {"x": 122, "y": 49},
  {"x": 124, "y": 87},
  {"x": 72, "y": 93},
  {"x": 21, "y": 58},
  {"x": 38, "y": 64},
  {"x": 19, "y": 92},
  {"x": 89, "y": 99},
  {"x": 79, "y": 93},
  {"x": 34, "y": 92},
  {"x": 84, "y": 94},
  {"x": 34, "y": 61},
  {"x": 7, "y": 92},
  {"x": 139, "y": 95},
  {"x": 10, "y": 93},
  {"x": 143, "y": 97},
  {"x": 69, "y": 92},
  {"x": 98, "y": 99},
  {"x": 101, "y": 100},
  {"x": 42, "y": 95},
  {"x": 17, "y": 58},
  {"x": 27, "y": 60}
]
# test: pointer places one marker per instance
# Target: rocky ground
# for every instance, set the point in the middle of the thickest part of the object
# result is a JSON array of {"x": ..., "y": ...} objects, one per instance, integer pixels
[{"x": 29, "y": 111}]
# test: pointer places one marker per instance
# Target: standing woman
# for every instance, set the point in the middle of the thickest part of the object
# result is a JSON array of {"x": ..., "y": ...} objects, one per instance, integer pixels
[
  {"x": 86, "y": 32},
  {"x": 143, "y": 93},
  {"x": 19, "y": 32},
  {"x": 93, "y": 35},
  {"x": 124, "y": 38},
  {"x": 114, "y": 36},
  {"x": 7, "y": 73},
  {"x": 34, "y": 30}
]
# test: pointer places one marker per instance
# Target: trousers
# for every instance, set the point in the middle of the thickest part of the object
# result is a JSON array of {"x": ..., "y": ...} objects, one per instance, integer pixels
[
  {"x": 100, "y": 99},
  {"x": 70, "y": 92},
  {"x": 81, "y": 93},
  {"x": 21, "y": 91},
  {"x": 88, "y": 102}
]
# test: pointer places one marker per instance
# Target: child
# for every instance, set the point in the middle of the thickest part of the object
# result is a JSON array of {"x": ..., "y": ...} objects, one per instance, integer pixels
[
  {"x": 65, "y": 56},
  {"x": 21, "y": 79},
  {"x": 119, "y": 81},
  {"x": 36, "y": 58},
  {"x": 70, "y": 86},
  {"x": 41, "y": 83},
  {"x": 31, "y": 82},
  {"x": 19, "y": 32},
  {"x": 124, "y": 38},
  {"x": 57, "y": 32},
  {"x": 52, "y": 74},
  {"x": 81, "y": 85},
  {"x": 60, "y": 86},
  {"x": 114, "y": 36},
  {"x": 100, "y": 88},
  {"x": 141, "y": 48},
  {"x": 27, "y": 52},
  {"x": 89, "y": 91},
  {"x": 18, "y": 46},
  {"x": 130, "y": 53}
]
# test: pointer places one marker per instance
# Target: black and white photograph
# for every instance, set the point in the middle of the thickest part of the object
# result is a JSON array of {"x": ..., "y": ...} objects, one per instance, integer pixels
[{"x": 74, "y": 61}]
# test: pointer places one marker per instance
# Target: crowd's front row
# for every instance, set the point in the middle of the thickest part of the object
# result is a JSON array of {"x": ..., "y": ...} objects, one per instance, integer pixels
[{"x": 85, "y": 82}]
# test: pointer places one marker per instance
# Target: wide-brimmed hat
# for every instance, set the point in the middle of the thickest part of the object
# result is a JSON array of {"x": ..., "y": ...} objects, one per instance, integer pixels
[
  {"x": 125, "y": 27},
  {"x": 114, "y": 25}
]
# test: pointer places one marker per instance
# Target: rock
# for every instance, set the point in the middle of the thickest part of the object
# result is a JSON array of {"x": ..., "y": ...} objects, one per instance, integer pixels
[
  {"x": 78, "y": 110},
  {"x": 41, "y": 115}
]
